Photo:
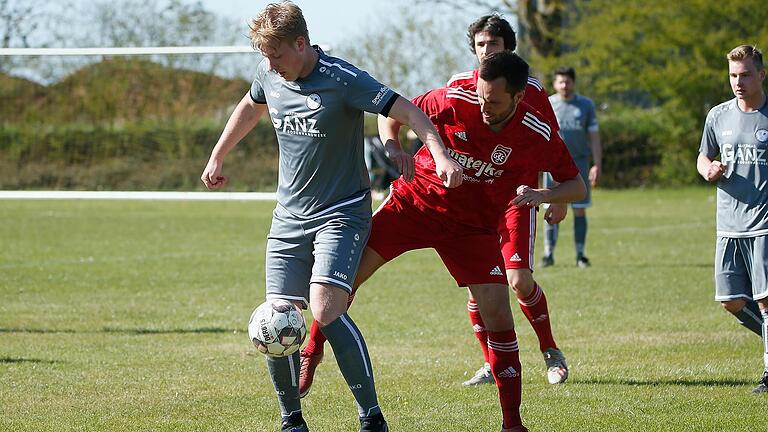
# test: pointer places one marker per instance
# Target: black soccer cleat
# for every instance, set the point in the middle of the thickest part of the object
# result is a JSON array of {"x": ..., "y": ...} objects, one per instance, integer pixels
[
  {"x": 762, "y": 386},
  {"x": 294, "y": 423},
  {"x": 374, "y": 424},
  {"x": 547, "y": 261},
  {"x": 582, "y": 262}
]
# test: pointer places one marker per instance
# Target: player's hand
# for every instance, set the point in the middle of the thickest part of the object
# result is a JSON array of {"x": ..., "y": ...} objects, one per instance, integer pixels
[
  {"x": 402, "y": 160},
  {"x": 211, "y": 177},
  {"x": 449, "y": 171},
  {"x": 528, "y": 196},
  {"x": 594, "y": 174},
  {"x": 556, "y": 213},
  {"x": 715, "y": 171}
]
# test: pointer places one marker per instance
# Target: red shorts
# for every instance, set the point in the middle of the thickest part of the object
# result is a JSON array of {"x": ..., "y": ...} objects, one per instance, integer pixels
[
  {"x": 518, "y": 232},
  {"x": 472, "y": 256}
]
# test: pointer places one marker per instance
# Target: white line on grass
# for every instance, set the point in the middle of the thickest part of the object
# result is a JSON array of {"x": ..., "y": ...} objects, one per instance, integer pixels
[{"x": 123, "y": 195}]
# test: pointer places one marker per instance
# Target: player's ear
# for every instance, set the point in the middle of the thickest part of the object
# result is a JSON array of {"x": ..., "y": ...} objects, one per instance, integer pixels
[
  {"x": 300, "y": 43},
  {"x": 518, "y": 96}
]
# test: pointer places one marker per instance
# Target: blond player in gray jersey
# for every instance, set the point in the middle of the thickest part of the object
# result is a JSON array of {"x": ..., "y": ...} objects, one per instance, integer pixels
[
  {"x": 322, "y": 220},
  {"x": 737, "y": 132}
]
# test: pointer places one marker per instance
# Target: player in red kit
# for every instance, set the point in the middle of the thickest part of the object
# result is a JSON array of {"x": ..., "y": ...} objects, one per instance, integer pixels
[
  {"x": 502, "y": 144},
  {"x": 487, "y": 35}
]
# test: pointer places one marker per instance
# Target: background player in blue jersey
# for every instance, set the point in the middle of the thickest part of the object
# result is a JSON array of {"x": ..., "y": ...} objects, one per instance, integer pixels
[
  {"x": 737, "y": 131},
  {"x": 320, "y": 226},
  {"x": 579, "y": 128}
]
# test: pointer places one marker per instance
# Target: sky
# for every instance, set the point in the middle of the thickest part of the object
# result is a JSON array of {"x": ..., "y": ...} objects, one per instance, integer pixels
[{"x": 329, "y": 21}]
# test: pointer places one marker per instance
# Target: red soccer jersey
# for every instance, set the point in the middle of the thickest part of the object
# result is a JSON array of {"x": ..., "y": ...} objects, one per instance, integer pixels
[
  {"x": 495, "y": 164},
  {"x": 535, "y": 95}
]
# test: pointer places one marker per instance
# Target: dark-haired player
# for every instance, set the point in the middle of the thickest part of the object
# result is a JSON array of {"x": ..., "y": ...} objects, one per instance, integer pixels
[{"x": 502, "y": 144}]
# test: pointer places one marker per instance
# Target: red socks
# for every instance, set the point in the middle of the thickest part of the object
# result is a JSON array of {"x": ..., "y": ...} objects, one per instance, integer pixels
[
  {"x": 535, "y": 309},
  {"x": 505, "y": 366},
  {"x": 478, "y": 327}
]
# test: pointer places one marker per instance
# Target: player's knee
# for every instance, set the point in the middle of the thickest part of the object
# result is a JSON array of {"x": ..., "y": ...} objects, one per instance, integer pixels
[
  {"x": 733, "y": 306},
  {"x": 521, "y": 282},
  {"x": 327, "y": 303}
]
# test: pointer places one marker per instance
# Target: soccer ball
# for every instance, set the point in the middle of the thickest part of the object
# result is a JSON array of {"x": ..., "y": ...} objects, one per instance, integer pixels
[{"x": 277, "y": 328}]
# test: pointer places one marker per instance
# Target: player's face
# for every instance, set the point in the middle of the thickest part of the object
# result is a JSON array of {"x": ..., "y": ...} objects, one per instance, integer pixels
[
  {"x": 564, "y": 86},
  {"x": 746, "y": 79},
  {"x": 285, "y": 58},
  {"x": 485, "y": 44},
  {"x": 497, "y": 105}
]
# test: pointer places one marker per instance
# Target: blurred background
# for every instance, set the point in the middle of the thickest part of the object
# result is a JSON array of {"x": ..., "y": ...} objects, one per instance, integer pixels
[{"x": 148, "y": 122}]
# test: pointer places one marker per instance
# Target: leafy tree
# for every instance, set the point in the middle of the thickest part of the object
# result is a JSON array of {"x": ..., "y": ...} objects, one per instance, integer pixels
[{"x": 662, "y": 54}]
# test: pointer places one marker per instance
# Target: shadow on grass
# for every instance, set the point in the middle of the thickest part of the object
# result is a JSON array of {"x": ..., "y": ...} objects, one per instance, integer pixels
[
  {"x": 13, "y": 360},
  {"x": 130, "y": 331},
  {"x": 686, "y": 382}
]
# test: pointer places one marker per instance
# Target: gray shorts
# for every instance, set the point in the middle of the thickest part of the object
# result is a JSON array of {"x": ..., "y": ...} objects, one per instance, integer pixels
[
  {"x": 323, "y": 249},
  {"x": 583, "y": 165},
  {"x": 741, "y": 266}
]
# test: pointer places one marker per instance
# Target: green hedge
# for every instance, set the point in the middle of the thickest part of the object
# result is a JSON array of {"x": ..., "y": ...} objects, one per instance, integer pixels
[
  {"x": 168, "y": 156},
  {"x": 639, "y": 149},
  {"x": 631, "y": 150}
]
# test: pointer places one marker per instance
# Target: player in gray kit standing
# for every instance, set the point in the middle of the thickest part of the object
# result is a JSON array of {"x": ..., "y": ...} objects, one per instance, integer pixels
[
  {"x": 320, "y": 225},
  {"x": 577, "y": 120},
  {"x": 737, "y": 131}
]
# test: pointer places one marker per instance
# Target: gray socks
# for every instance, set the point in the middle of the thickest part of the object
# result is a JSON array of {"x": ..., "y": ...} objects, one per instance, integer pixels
[{"x": 352, "y": 356}]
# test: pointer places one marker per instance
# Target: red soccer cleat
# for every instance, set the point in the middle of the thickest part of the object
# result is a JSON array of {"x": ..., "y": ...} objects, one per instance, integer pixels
[{"x": 309, "y": 362}]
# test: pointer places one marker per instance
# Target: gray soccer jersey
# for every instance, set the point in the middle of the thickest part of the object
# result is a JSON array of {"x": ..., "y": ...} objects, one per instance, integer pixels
[
  {"x": 741, "y": 140},
  {"x": 576, "y": 118},
  {"x": 318, "y": 120}
]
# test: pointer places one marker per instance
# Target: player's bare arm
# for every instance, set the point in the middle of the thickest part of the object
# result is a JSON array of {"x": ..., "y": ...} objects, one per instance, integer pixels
[
  {"x": 405, "y": 112},
  {"x": 389, "y": 134},
  {"x": 710, "y": 169},
  {"x": 597, "y": 157},
  {"x": 243, "y": 119},
  {"x": 572, "y": 189}
]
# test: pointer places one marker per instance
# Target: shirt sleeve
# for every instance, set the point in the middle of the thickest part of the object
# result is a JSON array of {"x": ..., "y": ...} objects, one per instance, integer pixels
[
  {"x": 257, "y": 87},
  {"x": 367, "y": 94},
  {"x": 539, "y": 100},
  {"x": 431, "y": 102},
  {"x": 592, "y": 125},
  {"x": 709, "y": 146},
  {"x": 561, "y": 164}
]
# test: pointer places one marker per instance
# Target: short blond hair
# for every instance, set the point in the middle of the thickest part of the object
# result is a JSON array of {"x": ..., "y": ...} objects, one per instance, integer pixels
[
  {"x": 743, "y": 52},
  {"x": 278, "y": 22}
]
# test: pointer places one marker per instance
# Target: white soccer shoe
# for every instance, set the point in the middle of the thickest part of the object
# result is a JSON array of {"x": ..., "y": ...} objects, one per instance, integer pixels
[
  {"x": 482, "y": 376},
  {"x": 557, "y": 369}
]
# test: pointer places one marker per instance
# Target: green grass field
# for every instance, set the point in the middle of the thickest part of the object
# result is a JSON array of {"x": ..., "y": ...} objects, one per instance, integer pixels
[{"x": 131, "y": 316}]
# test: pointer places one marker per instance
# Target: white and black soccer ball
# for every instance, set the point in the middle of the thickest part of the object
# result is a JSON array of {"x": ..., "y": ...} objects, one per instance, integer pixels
[{"x": 277, "y": 328}]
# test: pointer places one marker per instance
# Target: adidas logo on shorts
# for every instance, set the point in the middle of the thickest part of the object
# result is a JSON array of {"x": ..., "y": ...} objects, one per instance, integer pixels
[{"x": 496, "y": 271}]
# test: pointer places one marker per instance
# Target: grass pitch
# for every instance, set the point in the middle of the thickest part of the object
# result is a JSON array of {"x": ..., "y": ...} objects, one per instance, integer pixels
[{"x": 131, "y": 316}]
